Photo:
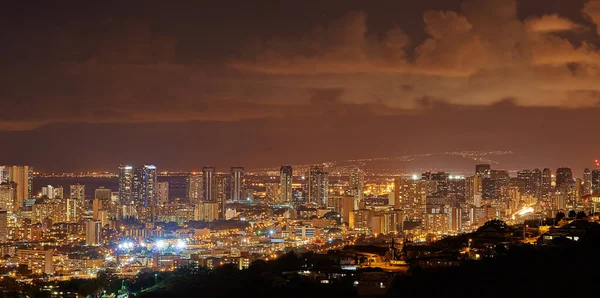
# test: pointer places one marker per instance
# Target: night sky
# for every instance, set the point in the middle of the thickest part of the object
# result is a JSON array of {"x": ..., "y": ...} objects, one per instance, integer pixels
[{"x": 87, "y": 85}]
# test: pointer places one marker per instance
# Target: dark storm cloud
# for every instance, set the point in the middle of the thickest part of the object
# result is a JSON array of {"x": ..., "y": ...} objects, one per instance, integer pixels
[{"x": 313, "y": 73}]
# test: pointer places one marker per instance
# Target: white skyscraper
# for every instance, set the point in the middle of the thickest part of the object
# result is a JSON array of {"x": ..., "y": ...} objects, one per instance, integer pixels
[
  {"x": 125, "y": 184},
  {"x": 357, "y": 183},
  {"x": 144, "y": 186},
  {"x": 73, "y": 210},
  {"x": 48, "y": 191},
  {"x": 52, "y": 192},
  {"x": 209, "y": 184},
  {"x": 237, "y": 175}
]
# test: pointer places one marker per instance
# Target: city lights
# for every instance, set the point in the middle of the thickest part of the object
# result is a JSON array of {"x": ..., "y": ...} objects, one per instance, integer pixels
[
  {"x": 300, "y": 148},
  {"x": 329, "y": 213}
]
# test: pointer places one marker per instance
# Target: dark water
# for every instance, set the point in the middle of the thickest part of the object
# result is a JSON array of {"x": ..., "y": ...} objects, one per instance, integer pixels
[{"x": 176, "y": 185}]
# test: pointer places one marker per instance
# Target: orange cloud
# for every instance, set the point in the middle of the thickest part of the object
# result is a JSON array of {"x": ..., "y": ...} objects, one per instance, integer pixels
[
  {"x": 551, "y": 23},
  {"x": 592, "y": 11},
  {"x": 476, "y": 56}
]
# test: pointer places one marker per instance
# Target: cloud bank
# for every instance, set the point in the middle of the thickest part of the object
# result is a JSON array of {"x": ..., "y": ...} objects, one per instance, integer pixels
[{"x": 478, "y": 55}]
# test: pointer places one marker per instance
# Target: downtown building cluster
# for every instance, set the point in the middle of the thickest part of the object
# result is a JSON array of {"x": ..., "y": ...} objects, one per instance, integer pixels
[
  {"x": 439, "y": 203},
  {"x": 237, "y": 217}
]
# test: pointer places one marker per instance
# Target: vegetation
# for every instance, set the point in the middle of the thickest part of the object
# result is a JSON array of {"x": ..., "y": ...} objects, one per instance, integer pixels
[{"x": 261, "y": 279}]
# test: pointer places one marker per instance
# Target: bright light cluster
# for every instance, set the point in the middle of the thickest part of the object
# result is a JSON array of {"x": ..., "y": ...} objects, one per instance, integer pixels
[
  {"x": 126, "y": 245},
  {"x": 525, "y": 210}
]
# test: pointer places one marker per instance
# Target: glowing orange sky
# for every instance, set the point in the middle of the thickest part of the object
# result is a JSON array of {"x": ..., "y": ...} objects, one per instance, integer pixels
[{"x": 300, "y": 81}]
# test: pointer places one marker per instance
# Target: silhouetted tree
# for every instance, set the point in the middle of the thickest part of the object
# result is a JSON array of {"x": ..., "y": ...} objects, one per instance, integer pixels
[
  {"x": 258, "y": 266},
  {"x": 559, "y": 217},
  {"x": 22, "y": 269}
]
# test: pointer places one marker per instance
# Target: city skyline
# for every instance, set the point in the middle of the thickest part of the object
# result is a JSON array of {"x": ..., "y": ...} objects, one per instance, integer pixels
[
  {"x": 390, "y": 148},
  {"x": 431, "y": 76},
  {"x": 363, "y": 164}
]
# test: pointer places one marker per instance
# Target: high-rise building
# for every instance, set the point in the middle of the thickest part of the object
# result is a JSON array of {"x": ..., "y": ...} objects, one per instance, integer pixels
[
  {"x": 77, "y": 197},
  {"x": 596, "y": 182},
  {"x": 4, "y": 174},
  {"x": 206, "y": 211},
  {"x": 194, "y": 188},
  {"x": 455, "y": 219},
  {"x": 357, "y": 182},
  {"x": 285, "y": 184},
  {"x": 317, "y": 186},
  {"x": 97, "y": 207},
  {"x": 53, "y": 192},
  {"x": 439, "y": 180},
  {"x": 474, "y": 188},
  {"x": 22, "y": 176},
  {"x": 144, "y": 186},
  {"x": 491, "y": 188},
  {"x": 162, "y": 192},
  {"x": 37, "y": 260},
  {"x": 237, "y": 175},
  {"x": 48, "y": 191},
  {"x": 221, "y": 195},
  {"x": 586, "y": 182},
  {"x": 546, "y": 182},
  {"x": 78, "y": 192},
  {"x": 456, "y": 188},
  {"x": 536, "y": 183},
  {"x": 58, "y": 192},
  {"x": 8, "y": 197},
  {"x": 125, "y": 184},
  {"x": 272, "y": 191},
  {"x": 397, "y": 196},
  {"x": 93, "y": 232},
  {"x": 72, "y": 210},
  {"x": 483, "y": 170},
  {"x": 208, "y": 185},
  {"x": 409, "y": 193},
  {"x": 102, "y": 193},
  {"x": 564, "y": 177},
  {"x": 3, "y": 226},
  {"x": 525, "y": 185}
]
